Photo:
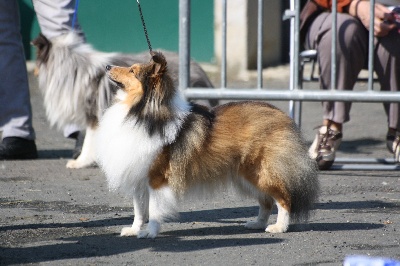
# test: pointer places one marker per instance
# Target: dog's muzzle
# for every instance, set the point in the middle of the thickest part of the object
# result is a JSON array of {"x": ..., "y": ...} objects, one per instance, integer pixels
[{"x": 116, "y": 83}]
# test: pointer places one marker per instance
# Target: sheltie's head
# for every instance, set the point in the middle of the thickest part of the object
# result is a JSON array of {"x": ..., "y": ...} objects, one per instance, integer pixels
[{"x": 148, "y": 91}]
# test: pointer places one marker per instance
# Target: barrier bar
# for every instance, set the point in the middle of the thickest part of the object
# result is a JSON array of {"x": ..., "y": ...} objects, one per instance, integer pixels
[
  {"x": 260, "y": 38},
  {"x": 333, "y": 46},
  {"x": 292, "y": 78},
  {"x": 184, "y": 44},
  {"x": 297, "y": 95},
  {"x": 223, "y": 59},
  {"x": 365, "y": 167},
  {"x": 371, "y": 47},
  {"x": 365, "y": 160},
  {"x": 296, "y": 58}
]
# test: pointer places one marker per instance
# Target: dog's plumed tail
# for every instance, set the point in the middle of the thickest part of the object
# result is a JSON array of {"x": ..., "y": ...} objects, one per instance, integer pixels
[{"x": 300, "y": 177}]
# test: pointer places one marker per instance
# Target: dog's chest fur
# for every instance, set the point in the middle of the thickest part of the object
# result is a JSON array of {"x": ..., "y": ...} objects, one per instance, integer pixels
[{"x": 125, "y": 149}]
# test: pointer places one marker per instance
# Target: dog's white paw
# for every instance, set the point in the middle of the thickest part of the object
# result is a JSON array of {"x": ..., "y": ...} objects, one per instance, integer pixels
[
  {"x": 255, "y": 225},
  {"x": 151, "y": 231},
  {"x": 76, "y": 164},
  {"x": 129, "y": 231},
  {"x": 276, "y": 228},
  {"x": 72, "y": 164},
  {"x": 146, "y": 234}
]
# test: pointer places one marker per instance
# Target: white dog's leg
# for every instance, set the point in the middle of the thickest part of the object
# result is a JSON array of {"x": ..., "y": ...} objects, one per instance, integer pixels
[
  {"x": 141, "y": 211},
  {"x": 152, "y": 230},
  {"x": 263, "y": 214},
  {"x": 161, "y": 207},
  {"x": 87, "y": 156},
  {"x": 282, "y": 221}
]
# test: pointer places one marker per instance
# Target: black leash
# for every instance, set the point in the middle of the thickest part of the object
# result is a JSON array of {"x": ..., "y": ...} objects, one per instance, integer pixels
[{"x": 144, "y": 27}]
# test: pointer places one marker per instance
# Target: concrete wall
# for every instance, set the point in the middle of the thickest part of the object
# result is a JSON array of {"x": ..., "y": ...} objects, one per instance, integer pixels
[{"x": 242, "y": 34}]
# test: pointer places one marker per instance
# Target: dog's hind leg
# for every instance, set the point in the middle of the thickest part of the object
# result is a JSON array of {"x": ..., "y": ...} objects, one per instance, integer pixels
[
  {"x": 282, "y": 221},
  {"x": 266, "y": 202},
  {"x": 141, "y": 211},
  {"x": 87, "y": 156}
]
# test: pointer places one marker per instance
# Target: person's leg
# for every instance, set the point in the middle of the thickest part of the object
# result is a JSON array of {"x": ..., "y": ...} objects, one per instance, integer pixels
[
  {"x": 387, "y": 68},
  {"x": 15, "y": 107},
  {"x": 350, "y": 58}
]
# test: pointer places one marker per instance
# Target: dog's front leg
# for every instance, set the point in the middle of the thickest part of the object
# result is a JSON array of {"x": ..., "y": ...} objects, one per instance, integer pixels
[
  {"x": 87, "y": 156},
  {"x": 162, "y": 206},
  {"x": 141, "y": 212}
]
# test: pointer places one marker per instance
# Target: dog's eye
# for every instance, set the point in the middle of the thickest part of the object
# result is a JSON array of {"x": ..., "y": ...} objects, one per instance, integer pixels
[{"x": 131, "y": 70}]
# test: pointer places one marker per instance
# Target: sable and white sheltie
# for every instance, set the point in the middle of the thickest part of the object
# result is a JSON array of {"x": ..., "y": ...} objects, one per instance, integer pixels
[
  {"x": 76, "y": 90},
  {"x": 159, "y": 148}
]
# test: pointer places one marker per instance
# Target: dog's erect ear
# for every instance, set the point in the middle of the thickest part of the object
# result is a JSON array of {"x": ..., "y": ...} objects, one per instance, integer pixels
[
  {"x": 40, "y": 41},
  {"x": 43, "y": 46},
  {"x": 160, "y": 64}
]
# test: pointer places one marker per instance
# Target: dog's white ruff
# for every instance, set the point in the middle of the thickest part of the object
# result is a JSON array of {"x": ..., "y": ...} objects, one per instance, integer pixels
[{"x": 125, "y": 151}]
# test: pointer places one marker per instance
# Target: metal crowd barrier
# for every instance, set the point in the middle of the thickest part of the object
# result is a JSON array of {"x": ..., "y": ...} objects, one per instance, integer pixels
[{"x": 295, "y": 95}]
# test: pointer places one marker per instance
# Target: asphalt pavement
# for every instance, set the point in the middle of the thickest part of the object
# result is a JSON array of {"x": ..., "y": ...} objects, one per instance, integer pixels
[{"x": 50, "y": 215}]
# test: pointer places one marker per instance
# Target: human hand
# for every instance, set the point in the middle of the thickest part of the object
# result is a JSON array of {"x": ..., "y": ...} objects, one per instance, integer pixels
[{"x": 384, "y": 20}]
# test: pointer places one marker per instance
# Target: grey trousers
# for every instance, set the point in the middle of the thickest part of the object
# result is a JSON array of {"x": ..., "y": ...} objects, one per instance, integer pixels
[
  {"x": 15, "y": 106},
  {"x": 55, "y": 18},
  {"x": 352, "y": 57}
]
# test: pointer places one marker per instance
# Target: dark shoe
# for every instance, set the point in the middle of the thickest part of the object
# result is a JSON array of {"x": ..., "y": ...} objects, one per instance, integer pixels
[
  {"x": 14, "y": 148},
  {"x": 324, "y": 147},
  {"x": 79, "y": 138}
]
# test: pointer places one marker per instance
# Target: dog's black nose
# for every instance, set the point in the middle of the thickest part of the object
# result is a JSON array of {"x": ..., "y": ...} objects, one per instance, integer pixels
[{"x": 108, "y": 67}]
